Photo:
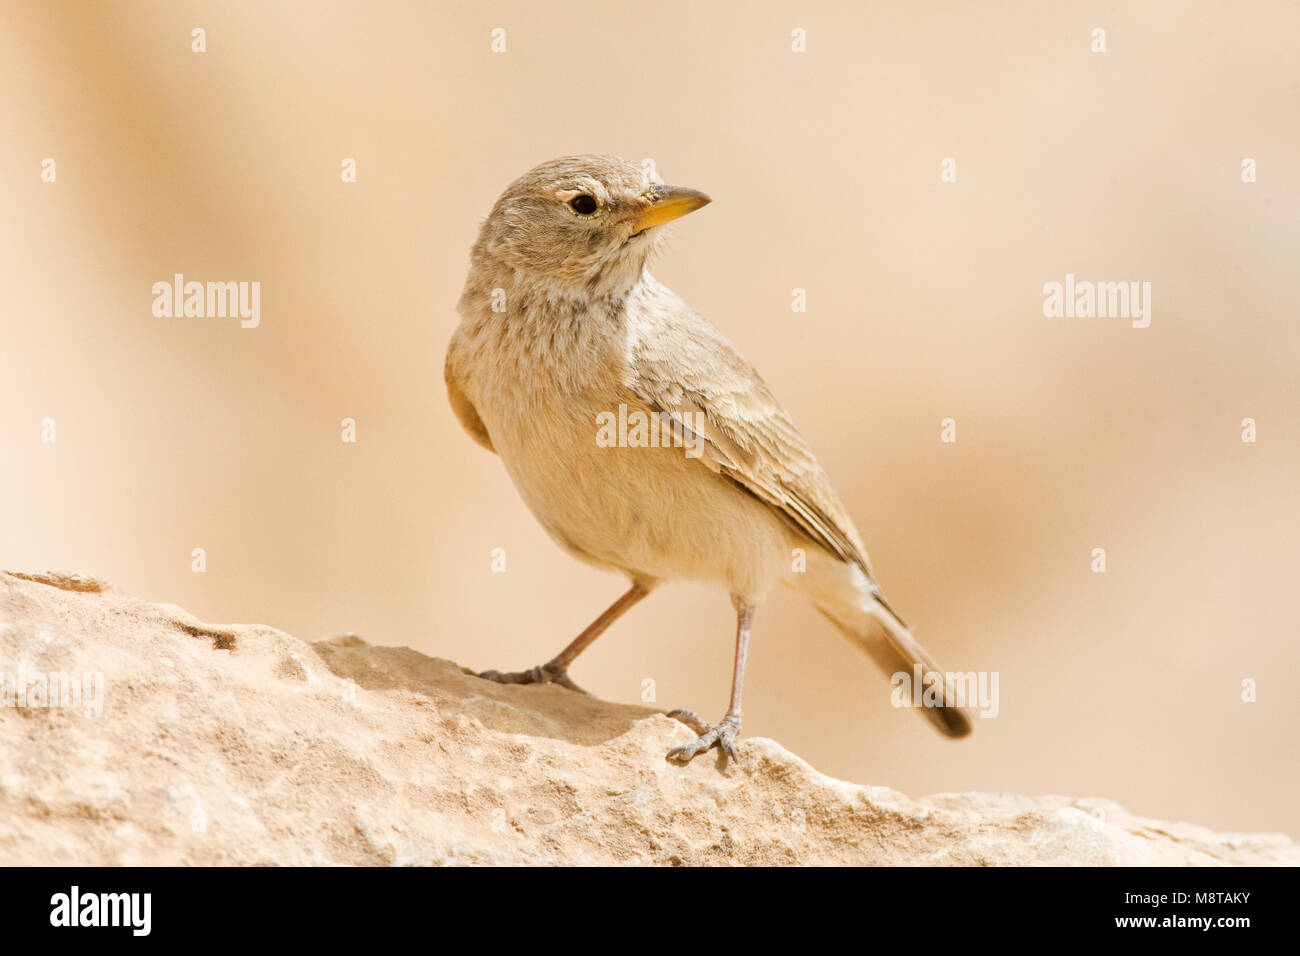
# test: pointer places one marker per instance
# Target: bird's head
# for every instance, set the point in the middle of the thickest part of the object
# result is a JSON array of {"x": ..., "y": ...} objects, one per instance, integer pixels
[{"x": 585, "y": 221}]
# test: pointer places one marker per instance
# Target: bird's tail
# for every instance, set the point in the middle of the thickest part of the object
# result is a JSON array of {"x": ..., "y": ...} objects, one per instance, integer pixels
[{"x": 869, "y": 622}]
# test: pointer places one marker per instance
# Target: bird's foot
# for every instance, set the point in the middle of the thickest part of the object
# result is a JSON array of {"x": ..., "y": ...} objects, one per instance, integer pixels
[
  {"x": 721, "y": 735},
  {"x": 551, "y": 673}
]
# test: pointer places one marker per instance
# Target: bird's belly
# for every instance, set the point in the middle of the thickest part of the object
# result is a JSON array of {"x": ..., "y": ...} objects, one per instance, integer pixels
[{"x": 650, "y": 511}]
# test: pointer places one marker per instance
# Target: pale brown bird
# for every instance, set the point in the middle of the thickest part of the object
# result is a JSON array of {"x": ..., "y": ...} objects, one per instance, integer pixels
[{"x": 563, "y": 329}]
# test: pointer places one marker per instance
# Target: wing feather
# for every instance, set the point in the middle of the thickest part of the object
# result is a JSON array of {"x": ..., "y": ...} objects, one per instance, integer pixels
[
  {"x": 683, "y": 368},
  {"x": 465, "y": 411}
]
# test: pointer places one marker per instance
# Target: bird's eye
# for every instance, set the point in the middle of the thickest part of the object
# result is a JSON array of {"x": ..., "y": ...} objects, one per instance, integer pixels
[{"x": 584, "y": 204}]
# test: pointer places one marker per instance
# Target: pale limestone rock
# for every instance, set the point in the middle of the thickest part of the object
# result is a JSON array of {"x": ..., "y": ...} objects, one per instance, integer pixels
[{"x": 241, "y": 744}]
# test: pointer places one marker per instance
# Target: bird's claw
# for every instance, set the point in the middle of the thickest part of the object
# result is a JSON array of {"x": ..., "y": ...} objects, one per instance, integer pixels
[
  {"x": 551, "y": 673},
  {"x": 721, "y": 735}
]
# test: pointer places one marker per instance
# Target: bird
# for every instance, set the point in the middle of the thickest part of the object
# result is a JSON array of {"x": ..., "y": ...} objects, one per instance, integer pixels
[{"x": 564, "y": 331}]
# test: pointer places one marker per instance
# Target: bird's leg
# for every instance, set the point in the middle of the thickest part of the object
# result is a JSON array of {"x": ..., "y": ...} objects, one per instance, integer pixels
[
  {"x": 722, "y": 734},
  {"x": 556, "y": 671}
]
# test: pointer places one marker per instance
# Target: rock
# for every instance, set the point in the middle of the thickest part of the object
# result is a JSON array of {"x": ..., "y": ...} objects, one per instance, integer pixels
[{"x": 245, "y": 745}]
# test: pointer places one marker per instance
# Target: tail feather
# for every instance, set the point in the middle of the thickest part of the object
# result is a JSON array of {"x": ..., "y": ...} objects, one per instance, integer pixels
[{"x": 885, "y": 638}]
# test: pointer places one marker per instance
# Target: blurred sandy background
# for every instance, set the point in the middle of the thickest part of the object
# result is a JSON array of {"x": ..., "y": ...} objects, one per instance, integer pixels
[{"x": 924, "y": 302}]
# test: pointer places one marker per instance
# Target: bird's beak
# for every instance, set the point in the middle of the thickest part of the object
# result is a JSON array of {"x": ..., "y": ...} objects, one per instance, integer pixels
[{"x": 668, "y": 203}]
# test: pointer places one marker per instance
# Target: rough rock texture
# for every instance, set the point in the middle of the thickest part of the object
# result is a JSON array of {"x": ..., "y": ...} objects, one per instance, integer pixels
[{"x": 241, "y": 744}]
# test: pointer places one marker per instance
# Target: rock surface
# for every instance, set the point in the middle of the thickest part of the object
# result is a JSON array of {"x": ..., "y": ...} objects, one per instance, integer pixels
[{"x": 244, "y": 745}]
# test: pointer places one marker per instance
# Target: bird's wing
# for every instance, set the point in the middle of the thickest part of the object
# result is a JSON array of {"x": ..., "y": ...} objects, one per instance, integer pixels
[
  {"x": 463, "y": 407},
  {"x": 683, "y": 368}
]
